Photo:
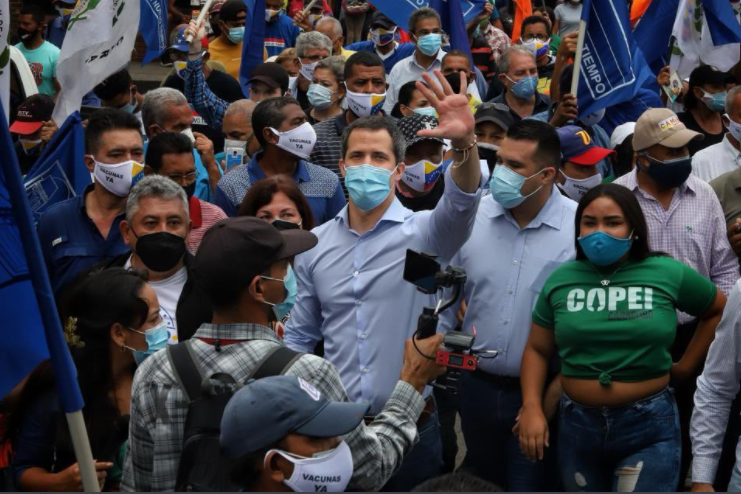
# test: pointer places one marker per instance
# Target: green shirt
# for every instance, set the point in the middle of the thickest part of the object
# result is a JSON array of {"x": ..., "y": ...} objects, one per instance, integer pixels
[{"x": 623, "y": 331}]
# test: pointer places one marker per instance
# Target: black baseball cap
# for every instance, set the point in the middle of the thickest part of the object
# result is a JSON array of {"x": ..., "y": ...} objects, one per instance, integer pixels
[
  {"x": 707, "y": 74},
  {"x": 379, "y": 19},
  {"x": 268, "y": 409},
  {"x": 496, "y": 113},
  {"x": 271, "y": 73},
  {"x": 412, "y": 124},
  {"x": 235, "y": 250},
  {"x": 230, "y": 9},
  {"x": 32, "y": 113}
]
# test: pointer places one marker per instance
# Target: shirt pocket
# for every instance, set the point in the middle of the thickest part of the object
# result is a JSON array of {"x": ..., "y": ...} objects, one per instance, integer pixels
[
  {"x": 691, "y": 244},
  {"x": 536, "y": 273}
]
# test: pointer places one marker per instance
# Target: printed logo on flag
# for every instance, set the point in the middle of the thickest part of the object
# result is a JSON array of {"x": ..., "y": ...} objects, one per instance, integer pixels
[{"x": 48, "y": 188}]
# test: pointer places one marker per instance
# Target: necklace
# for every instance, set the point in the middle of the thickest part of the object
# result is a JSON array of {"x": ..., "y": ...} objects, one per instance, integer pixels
[{"x": 606, "y": 279}]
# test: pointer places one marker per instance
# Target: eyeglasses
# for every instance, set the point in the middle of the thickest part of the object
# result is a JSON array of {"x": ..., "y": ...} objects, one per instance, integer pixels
[
  {"x": 493, "y": 106},
  {"x": 188, "y": 178},
  {"x": 539, "y": 37}
]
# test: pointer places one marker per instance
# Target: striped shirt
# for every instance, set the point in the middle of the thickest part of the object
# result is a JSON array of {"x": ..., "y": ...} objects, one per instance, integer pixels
[
  {"x": 692, "y": 230},
  {"x": 203, "y": 216},
  {"x": 159, "y": 409},
  {"x": 716, "y": 389}
]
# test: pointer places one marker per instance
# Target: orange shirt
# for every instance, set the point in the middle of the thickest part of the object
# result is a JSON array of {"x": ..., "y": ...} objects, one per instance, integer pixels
[{"x": 228, "y": 54}]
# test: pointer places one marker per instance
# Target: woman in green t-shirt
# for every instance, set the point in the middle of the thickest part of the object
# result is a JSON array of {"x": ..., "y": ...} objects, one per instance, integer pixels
[{"x": 611, "y": 314}]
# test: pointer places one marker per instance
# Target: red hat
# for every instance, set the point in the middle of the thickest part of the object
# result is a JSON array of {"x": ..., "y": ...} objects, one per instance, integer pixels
[
  {"x": 577, "y": 146},
  {"x": 32, "y": 113}
]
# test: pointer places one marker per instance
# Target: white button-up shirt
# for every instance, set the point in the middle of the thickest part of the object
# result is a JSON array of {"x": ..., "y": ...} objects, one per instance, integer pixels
[
  {"x": 408, "y": 70},
  {"x": 716, "y": 160}
]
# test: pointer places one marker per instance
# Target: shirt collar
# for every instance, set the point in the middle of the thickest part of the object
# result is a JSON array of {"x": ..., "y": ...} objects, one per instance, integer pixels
[
  {"x": 631, "y": 182},
  {"x": 255, "y": 172},
  {"x": 396, "y": 213},
  {"x": 550, "y": 214},
  {"x": 438, "y": 59},
  {"x": 728, "y": 147},
  {"x": 241, "y": 331}
]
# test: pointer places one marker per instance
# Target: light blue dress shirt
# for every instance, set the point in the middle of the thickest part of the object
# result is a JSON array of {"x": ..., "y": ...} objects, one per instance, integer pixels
[
  {"x": 351, "y": 290},
  {"x": 507, "y": 267}
]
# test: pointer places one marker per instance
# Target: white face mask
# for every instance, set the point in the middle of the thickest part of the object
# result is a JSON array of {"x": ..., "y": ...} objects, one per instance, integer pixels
[
  {"x": 307, "y": 70},
  {"x": 233, "y": 143},
  {"x": 189, "y": 133},
  {"x": 364, "y": 105},
  {"x": 299, "y": 141},
  {"x": 422, "y": 175},
  {"x": 734, "y": 128},
  {"x": 119, "y": 178},
  {"x": 576, "y": 189},
  {"x": 325, "y": 472}
]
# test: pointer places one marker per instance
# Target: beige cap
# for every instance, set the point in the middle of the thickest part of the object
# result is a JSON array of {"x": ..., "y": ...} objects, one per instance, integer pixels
[{"x": 661, "y": 126}]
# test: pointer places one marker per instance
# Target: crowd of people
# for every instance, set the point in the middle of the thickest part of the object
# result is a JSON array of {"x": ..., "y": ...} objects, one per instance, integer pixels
[{"x": 232, "y": 282}]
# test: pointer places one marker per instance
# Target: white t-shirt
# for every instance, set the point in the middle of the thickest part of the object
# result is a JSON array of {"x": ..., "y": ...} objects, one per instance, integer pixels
[{"x": 168, "y": 293}]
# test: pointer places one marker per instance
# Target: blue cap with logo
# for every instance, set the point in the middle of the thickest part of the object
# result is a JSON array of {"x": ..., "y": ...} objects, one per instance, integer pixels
[
  {"x": 578, "y": 147},
  {"x": 265, "y": 411},
  {"x": 178, "y": 41}
]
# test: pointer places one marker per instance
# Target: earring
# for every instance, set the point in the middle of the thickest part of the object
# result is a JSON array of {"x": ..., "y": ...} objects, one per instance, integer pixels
[{"x": 123, "y": 349}]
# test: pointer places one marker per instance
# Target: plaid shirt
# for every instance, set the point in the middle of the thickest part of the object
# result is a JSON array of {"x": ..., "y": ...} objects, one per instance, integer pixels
[
  {"x": 692, "y": 230},
  {"x": 498, "y": 40},
  {"x": 159, "y": 410},
  {"x": 204, "y": 101}
]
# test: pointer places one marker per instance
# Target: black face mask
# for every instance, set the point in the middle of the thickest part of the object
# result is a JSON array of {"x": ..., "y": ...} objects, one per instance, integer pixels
[
  {"x": 25, "y": 35},
  {"x": 160, "y": 251},
  {"x": 285, "y": 225},
  {"x": 668, "y": 174},
  {"x": 190, "y": 190},
  {"x": 490, "y": 156}
]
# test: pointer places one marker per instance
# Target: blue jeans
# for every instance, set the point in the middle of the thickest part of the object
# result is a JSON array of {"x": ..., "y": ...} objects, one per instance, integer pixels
[
  {"x": 423, "y": 462},
  {"x": 636, "y": 447},
  {"x": 488, "y": 409}
]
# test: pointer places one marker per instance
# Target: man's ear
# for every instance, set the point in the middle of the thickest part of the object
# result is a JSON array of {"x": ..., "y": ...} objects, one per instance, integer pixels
[
  {"x": 272, "y": 468},
  {"x": 89, "y": 163},
  {"x": 269, "y": 136},
  {"x": 297, "y": 63},
  {"x": 256, "y": 290},
  {"x": 343, "y": 172},
  {"x": 125, "y": 228},
  {"x": 148, "y": 170}
]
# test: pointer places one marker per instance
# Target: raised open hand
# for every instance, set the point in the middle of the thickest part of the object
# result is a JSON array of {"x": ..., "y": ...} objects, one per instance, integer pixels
[{"x": 456, "y": 121}]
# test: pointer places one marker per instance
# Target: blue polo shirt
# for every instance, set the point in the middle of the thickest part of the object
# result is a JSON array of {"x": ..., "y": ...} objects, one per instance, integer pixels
[
  {"x": 71, "y": 242},
  {"x": 320, "y": 186},
  {"x": 402, "y": 51},
  {"x": 280, "y": 34}
]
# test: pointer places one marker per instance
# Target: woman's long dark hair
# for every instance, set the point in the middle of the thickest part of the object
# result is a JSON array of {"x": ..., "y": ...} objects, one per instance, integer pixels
[
  {"x": 99, "y": 301},
  {"x": 627, "y": 202},
  {"x": 405, "y": 97}
]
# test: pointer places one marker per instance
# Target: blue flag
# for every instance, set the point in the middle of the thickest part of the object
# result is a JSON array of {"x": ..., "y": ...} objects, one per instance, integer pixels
[
  {"x": 612, "y": 67},
  {"x": 722, "y": 22},
  {"x": 31, "y": 330},
  {"x": 655, "y": 28},
  {"x": 153, "y": 28},
  {"x": 59, "y": 173},
  {"x": 253, "y": 46},
  {"x": 451, "y": 17},
  {"x": 400, "y": 10}
]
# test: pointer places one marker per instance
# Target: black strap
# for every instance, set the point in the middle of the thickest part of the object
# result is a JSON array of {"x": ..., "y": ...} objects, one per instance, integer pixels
[
  {"x": 276, "y": 363},
  {"x": 186, "y": 371}
]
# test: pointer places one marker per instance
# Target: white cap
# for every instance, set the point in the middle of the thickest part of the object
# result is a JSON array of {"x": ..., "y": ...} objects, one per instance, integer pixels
[{"x": 620, "y": 133}]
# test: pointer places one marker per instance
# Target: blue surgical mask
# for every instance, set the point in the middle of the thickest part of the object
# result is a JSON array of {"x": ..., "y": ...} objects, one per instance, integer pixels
[
  {"x": 429, "y": 44},
  {"x": 368, "y": 185},
  {"x": 428, "y": 111},
  {"x": 714, "y": 102},
  {"x": 131, "y": 107},
  {"x": 525, "y": 87},
  {"x": 506, "y": 184},
  {"x": 156, "y": 338},
  {"x": 319, "y": 96},
  {"x": 282, "y": 309},
  {"x": 236, "y": 34},
  {"x": 604, "y": 249}
]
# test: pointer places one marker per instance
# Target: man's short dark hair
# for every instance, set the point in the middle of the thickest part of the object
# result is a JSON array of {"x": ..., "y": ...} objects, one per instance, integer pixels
[
  {"x": 35, "y": 11},
  {"x": 459, "y": 481},
  {"x": 536, "y": 19},
  {"x": 166, "y": 143},
  {"x": 116, "y": 85},
  {"x": 377, "y": 122},
  {"x": 269, "y": 113},
  {"x": 457, "y": 53},
  {"x": 106, "y": 120},
  {"x": 420, "y": 14},
  {"x": 365, "y": 58},
  {"x": 548, "y": 152}
]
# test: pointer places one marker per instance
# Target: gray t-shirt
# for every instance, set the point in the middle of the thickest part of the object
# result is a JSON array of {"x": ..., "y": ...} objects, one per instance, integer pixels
[{"x": 568, "y": 16}]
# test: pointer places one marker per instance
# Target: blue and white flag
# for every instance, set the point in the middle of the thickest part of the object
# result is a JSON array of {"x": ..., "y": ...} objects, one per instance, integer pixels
[
  {"x": 400, "y": 10},
  {"x": 453, "y": 23},
  {"x": 59, "y": 173},
  {"x": 654, "y": 29},
  {"x": 153, "y": 28},
  {"x": 612, "y": 67},
  {"x": 30, "y": 331},
  {"x": 253, "y": 46}
]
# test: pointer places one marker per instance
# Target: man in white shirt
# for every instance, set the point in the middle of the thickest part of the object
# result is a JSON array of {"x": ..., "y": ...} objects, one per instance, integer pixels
[
  {"x": 725, "y": 156},
  {"x": 426, "y": 30}
]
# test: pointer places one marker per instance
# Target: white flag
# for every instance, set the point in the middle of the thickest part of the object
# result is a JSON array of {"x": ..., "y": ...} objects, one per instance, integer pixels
[
  {"x": 694, "y": 45},
  {"x": 5, "y": 57},
  {"x": 100, "y": 38}
]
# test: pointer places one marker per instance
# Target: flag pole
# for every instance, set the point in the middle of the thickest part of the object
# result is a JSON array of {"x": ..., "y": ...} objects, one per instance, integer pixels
[
  {"x": 577, "y": 57},
  {"x": 200, "y": 18},
  {"x": 64, "y": 369}
]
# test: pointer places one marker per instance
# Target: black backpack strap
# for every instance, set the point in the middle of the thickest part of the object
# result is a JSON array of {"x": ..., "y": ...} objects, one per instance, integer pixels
[
  {"x": 186, "y": 371},
  {"x": 276, "y": 363}
]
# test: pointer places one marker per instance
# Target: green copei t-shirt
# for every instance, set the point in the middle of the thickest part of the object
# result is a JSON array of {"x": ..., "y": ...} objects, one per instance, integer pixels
[{"x": 622, "y": 331}]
